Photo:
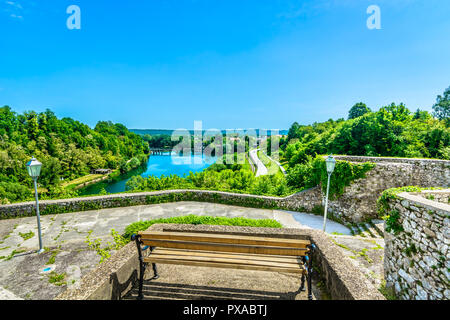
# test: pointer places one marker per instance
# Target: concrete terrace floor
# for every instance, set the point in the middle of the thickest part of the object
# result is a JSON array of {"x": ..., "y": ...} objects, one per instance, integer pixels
[{"x": 24, "y": 274}]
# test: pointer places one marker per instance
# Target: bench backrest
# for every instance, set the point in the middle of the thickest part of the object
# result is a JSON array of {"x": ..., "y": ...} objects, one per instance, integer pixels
[{"x": 225, "y": 243}]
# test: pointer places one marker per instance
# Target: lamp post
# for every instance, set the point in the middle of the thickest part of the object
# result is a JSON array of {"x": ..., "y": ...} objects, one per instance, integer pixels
[
  {"x": 34, "y": 169},
  {"x": 330, "y": 162}
]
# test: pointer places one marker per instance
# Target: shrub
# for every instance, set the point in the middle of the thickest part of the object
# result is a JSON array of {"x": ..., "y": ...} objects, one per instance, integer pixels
[
  {"x": 194, "y": 219},
  {"x": 14, "y": 192},
  {"x": 343, "y": 175}
]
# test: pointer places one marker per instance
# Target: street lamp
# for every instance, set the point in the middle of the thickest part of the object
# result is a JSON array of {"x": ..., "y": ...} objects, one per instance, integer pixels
[
  {"x": 330, "y": 162},
  {"x": 34, "y": 169}
]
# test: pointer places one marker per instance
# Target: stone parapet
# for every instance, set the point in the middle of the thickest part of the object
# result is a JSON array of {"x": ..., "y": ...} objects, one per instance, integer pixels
[
  {"x": 416, "y": 263},
  {"x": 302, "y": 201},
  {"x": 359, "y": 201}
]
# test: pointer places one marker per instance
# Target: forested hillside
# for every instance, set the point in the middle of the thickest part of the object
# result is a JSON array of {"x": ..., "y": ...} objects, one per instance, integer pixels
[
  {"x": 67, "y": 148},
  {"x": 392, "y": 131}
]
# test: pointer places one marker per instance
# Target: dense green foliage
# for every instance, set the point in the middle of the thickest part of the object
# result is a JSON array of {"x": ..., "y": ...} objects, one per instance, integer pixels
[
  {"x": 194, "y": 219},
  {"x": 314, "y": 172},
  {"x": 231, "y": 178},
  {"x": 160, "y": 141},
  {"x": 67, "y": 148},
  {"x": 391, "y": 131}
]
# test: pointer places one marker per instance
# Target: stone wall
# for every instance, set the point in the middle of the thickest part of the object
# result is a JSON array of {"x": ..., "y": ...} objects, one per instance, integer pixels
[
  {"x": 302, "y": 201},
  {"x": 416, "y": 263},
  {"x": 435, "y": 195},
  {"x": 358, "y": 203}
]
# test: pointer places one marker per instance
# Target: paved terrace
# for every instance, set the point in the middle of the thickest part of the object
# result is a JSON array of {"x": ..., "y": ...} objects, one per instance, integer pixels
[{"x": 27, "y": 275}]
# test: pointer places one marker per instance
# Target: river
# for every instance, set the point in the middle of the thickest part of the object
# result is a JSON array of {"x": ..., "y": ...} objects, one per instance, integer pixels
[{"x": 157, "y": 165}]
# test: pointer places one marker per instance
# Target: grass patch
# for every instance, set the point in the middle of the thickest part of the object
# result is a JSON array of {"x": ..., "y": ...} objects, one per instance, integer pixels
[
  {"x": 193, "y": 219},
  {"x": 105, "y": 251},
  {"x": 80, "y": 180},
  {"x": 27, "y": 235},
  {"x": 388, "y": 293},
  {"x": 13, "y": 253},
  {"x": 272, "y": 167},
  {"x": 53, "y": 255},
  {"x": 58, "y": 279}
]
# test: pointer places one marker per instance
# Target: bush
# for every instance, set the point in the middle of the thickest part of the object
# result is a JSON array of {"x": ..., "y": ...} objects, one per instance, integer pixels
[
  {"x": 11, "y": 191},
  {"x": 343, "y": 175},
  {"x": 194, "y": 219},
  {"x": 300, "y": 176},
  {"x": 240, "y": 181}
]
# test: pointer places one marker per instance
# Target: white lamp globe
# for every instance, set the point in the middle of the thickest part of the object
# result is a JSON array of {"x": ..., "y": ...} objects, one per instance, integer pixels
[
  {"x": 34, "y": 167},
  {"x": 330, "y": 162}
]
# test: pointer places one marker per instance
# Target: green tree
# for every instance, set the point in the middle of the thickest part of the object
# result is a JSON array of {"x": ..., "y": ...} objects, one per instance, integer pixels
[
  {"x": 67, "y": 148},
  {"x": 441, "y": 109},
  {"x": 358, "y": 110}
]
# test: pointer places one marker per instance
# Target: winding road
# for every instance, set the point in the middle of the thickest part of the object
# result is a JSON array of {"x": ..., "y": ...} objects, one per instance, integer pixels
[{"x": 260, "y": 167}]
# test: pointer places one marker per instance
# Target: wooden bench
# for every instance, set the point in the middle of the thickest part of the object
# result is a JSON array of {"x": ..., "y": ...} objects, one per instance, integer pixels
[{"x": 224, "y": 251}]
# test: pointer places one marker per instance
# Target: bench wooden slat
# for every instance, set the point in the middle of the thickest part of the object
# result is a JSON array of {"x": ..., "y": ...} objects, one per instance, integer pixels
[
  {"x": 219, "y": 258},
  {"x": 207, "y": 263},
  {"x": 232, "y": 255},
  {"x": 223, "y": 238},
  {"x": 224, "y": 247}
]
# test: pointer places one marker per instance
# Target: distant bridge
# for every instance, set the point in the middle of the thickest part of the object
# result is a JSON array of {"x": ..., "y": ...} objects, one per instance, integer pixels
[{"x": 160, "y": 150}]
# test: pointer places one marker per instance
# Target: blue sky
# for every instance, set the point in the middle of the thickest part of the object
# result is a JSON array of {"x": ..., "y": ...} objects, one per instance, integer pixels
[{"x": 231, "y": 64}]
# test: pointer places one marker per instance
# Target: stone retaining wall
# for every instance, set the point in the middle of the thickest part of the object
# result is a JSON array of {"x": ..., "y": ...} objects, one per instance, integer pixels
[
  {"x": 302, "y": 201},
  {"x": 358, "y": 203},
  {"x": 416, "y": 263}
]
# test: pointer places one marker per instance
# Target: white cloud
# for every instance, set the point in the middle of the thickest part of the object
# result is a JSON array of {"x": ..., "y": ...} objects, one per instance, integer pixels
[
  {"x": 13, "y": 15},
  {"x": 13, "y": 8},
  {"x": 14, "y": 4}
]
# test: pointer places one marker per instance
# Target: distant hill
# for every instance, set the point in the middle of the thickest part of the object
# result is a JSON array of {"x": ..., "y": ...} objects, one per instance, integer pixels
[{"x": 154, "y": 132}]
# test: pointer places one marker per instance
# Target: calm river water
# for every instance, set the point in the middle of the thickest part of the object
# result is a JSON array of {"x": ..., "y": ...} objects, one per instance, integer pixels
[{"x": 157, "y": 165}]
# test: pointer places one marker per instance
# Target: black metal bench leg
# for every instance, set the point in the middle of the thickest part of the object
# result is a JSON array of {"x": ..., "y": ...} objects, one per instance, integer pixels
[
  {"x": 302, "y": 285},
  {"x": 309, "y": 287},
  {"x": 155, "y": 271},
  {"x": 141, "y": 266},
  {"x": 141, "y": 282},
  {"x": 310, "y": 270}
]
